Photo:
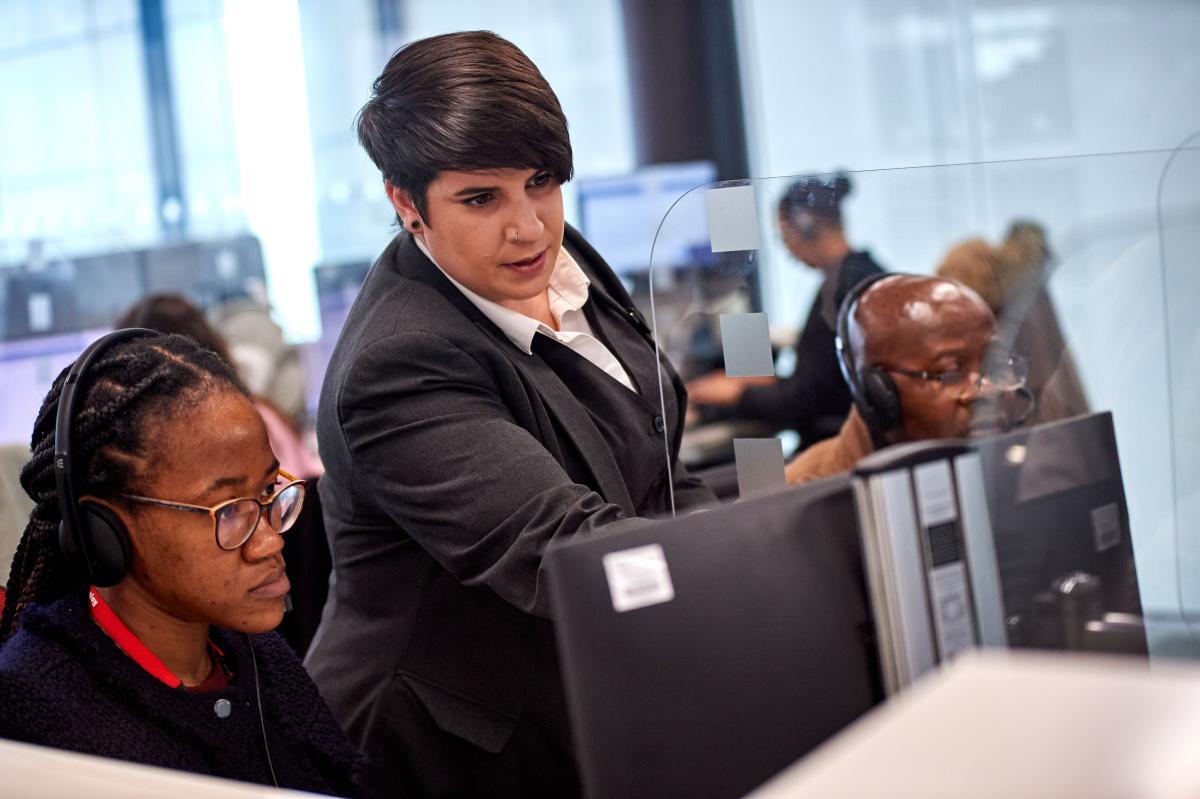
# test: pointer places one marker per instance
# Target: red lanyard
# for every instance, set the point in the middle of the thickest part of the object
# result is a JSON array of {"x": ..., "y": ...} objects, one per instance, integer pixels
[{"x": 124, "y": 638}]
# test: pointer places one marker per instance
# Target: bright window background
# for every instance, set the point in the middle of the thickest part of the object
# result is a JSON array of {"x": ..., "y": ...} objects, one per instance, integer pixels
[
  {"x": 265, "y": 95},
  {"x": 75, "y": 160},
  {"x": 877, "y": 84}
]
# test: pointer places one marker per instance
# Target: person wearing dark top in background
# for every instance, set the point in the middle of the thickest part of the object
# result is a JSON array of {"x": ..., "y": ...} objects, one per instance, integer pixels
[
  {"x": 814, "y": 399},
  {"x": 142, "y": 593}
]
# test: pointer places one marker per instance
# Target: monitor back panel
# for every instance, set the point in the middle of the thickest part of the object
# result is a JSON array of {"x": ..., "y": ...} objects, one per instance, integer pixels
[
  {"x": 1057, "y": 505},
  {"x": 763, "y": 652}
]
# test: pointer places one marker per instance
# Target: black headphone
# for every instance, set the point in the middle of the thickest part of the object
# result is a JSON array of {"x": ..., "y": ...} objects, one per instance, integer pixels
[
  {"x": 91, "y": 537},
  {"x": 873, "y": 390}
]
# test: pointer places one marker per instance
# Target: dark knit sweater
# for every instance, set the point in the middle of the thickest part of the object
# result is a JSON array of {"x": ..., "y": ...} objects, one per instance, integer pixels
[{"x": 65, "y": 684}]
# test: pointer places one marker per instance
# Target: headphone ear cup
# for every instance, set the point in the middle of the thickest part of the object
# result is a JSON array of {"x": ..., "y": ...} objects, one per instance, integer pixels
[
  {"x": 108, "y": 543},
  {"x": 883, "y": 399}
]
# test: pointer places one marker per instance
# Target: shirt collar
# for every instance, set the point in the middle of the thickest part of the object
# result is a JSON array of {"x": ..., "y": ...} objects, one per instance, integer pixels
[{"x": 568, "y": 291}]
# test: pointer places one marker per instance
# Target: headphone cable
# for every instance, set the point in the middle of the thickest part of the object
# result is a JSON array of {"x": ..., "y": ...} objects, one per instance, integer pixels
[{"x": 258, "y": 700}]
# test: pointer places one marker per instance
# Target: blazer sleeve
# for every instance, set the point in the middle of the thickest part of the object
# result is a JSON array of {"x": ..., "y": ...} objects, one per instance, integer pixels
[
  {"x": 690, "y": 491},
  {"x": 441, "y": 453}
]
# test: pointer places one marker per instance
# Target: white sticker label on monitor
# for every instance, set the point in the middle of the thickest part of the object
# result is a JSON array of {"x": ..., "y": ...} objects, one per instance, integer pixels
[
  {"x": 638, "y": 578},
  {"x": 1106, "y": 526}
]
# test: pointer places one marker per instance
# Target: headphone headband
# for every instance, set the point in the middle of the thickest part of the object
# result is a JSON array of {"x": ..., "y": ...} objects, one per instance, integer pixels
[
  {"x": 872, "y": 390},
  {"x": 63, "y": 467},
  {"x": 842, "y": 334}
]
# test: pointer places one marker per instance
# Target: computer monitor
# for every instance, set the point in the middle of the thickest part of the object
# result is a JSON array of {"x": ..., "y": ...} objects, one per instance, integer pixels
[
  {"x": 28, "y": 367},
  {"x": 39, "y": 303},
  {"x": 620, "y": 216},
  {"x": 704, "y": 654},
  {"x": 83, "y": 292},
  {"x": 1063, "y": 546},
  {"x": 207, "y": 272}
]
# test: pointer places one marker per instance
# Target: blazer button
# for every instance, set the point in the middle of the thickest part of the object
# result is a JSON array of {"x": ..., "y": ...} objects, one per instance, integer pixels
[
  {"x": 222, "y": 708},
  {"x": 659, "y": 424}
]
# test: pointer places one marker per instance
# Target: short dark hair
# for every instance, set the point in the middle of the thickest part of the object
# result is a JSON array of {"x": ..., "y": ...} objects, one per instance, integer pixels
[{"x": 462, "y": 102}]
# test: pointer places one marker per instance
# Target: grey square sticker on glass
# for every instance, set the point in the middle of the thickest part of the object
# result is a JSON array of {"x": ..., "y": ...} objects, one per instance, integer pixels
[
  {"x": 759, "y": 465},
  {"x": 732, "y": 218},
  {"x": 746, "y": 340}
]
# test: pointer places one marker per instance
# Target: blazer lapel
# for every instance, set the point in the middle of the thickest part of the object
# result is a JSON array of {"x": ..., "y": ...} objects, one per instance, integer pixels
[
  {"x": 555, "y": 395},
  {"x": 573, "y": 416}
]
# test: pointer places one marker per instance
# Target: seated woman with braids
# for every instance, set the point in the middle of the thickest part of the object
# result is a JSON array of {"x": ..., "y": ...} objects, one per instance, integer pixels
[{"x": 145, "y": 585}]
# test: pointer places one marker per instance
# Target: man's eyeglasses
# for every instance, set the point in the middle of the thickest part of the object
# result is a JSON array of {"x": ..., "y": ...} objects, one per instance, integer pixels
[
  {"x": 235, "y": 520},
  {"x": 1006, "y": 373}
]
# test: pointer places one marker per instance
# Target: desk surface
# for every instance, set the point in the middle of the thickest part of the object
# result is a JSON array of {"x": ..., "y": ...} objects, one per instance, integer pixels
[
  {"x": 27, "y": 770},
  {"x": 1018, "y": 724}
]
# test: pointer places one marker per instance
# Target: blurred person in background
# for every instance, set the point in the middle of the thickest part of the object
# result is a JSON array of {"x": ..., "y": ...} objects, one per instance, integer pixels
[
  {"x": 813, "y": 400},
  {"x": 143, "y": 590},
  {"x": 171, "y": 313},
  {"x": 918, "y": 358},
  {"x": 14, "y": 505},
  {"x": 1012, "y": 279},
  {"x": 271, "y": 368}
]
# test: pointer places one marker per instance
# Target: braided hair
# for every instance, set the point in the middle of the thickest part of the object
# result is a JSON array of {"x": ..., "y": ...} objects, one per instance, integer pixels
[{"x": 134, "y": 383}]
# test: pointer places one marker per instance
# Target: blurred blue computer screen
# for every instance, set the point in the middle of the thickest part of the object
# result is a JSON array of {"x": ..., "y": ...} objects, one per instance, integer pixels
[{"x": 620, "y": 216}]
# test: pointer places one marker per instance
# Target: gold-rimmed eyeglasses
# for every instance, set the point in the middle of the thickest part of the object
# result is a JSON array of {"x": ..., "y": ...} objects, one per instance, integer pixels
[{"x": 235, "y": 520}]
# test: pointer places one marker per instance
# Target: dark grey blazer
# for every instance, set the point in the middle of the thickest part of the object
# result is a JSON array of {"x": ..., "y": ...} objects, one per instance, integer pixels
[{"x": 452, "y": 459}]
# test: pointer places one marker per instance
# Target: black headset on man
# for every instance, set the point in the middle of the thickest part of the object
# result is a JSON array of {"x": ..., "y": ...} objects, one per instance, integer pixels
[
  {"x": 93, "y": 539},
  {"x": 874, "y": 392}
]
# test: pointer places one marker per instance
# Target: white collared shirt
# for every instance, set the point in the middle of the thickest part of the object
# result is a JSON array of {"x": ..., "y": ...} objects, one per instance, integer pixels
[{"x": 568, "y": 291}]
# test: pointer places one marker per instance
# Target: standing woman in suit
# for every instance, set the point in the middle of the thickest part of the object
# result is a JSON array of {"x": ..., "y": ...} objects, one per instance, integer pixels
[
  {"x": 493, "y": 390},
  {"x": 142, "y": 595},
  {"x": 814, "y": 400}
]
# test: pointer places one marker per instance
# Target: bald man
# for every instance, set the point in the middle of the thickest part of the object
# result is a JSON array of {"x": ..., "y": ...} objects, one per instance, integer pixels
[{"x": 927, "y": 340}]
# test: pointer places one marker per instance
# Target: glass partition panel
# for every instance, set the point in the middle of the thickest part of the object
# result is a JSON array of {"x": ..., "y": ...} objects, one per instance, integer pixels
[
  {"x": 1178, "y": 212},
  {"x": 1083, "y": 283}
]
